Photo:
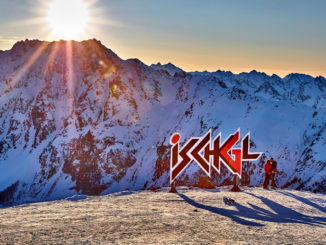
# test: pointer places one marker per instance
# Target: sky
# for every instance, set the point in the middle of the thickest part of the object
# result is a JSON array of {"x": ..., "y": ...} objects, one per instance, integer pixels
[{"x": 271, "y": 36}]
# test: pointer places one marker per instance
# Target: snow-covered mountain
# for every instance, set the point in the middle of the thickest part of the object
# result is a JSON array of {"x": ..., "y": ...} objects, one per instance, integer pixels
[
  {"x": 75, "y": 118},
  {"x": 169, "y": 67}
]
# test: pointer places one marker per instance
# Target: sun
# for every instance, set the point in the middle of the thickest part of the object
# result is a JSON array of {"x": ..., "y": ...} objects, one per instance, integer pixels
[{"x": 68, "y": 18}]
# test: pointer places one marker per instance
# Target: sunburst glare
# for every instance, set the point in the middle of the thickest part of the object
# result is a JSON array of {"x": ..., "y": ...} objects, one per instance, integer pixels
[{"x": 68, "y": 19}]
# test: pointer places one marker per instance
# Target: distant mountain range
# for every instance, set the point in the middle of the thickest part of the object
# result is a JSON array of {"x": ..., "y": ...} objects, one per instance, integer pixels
[{"x": 75, "y": 118}]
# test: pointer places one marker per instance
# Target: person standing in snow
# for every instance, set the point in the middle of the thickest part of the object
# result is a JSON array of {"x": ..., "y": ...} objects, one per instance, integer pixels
[
  {"x": 274, "y": 171},
  {"x": 268, "y": 172}
]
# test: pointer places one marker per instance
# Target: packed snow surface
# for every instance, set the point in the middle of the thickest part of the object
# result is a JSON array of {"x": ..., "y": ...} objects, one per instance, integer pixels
[{"x": 191, "y": 216}]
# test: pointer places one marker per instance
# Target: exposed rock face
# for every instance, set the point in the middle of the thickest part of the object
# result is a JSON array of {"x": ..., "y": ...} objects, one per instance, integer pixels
[{"x": 75, "y": 118}]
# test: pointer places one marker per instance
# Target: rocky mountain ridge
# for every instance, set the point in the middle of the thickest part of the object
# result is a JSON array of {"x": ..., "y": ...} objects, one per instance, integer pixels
[{"x": 75, "y": 118}]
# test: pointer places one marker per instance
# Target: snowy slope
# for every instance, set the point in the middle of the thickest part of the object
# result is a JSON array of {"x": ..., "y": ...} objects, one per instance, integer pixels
[
  {"x": 188, "y": 217},
  {"x": 80, "y": 120}
]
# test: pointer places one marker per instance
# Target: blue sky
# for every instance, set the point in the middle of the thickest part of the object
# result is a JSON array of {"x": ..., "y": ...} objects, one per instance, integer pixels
[{"x": 274, "y": 36}]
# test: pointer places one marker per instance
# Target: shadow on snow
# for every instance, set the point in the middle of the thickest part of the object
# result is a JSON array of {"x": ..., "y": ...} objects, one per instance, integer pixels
[
  {"x": 282, "y": 214},
  {"x": 304, "y": 200}
]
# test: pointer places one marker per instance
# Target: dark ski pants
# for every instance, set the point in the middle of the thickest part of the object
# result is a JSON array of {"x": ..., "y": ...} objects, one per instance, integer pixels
[
  {"x": 273, "y": 184},
  {"x": 267, "y": 178}
]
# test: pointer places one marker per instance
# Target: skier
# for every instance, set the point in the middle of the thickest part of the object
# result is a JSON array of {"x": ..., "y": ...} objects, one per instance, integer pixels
[
  {"x": 274, "y": 171},
  {"x": 268, "y": 171}
]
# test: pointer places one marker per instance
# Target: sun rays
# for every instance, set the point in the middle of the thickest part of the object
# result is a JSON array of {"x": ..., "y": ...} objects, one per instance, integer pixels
[
  {"x": 22, "y": 71},
  {"x": 53, "y": 52},
  {"x": 56, "y": 20}
]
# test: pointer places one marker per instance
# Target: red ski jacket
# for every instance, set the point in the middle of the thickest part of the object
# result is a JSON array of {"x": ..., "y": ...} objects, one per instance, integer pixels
[{"x": 268, "y": 168}]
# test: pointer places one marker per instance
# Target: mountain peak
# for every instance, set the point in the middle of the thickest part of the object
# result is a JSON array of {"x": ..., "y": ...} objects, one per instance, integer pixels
[
  {"x": 298, "y": 77},
  {"x": 77, "y": 119},
  {"x": 93, "y": 43},
  {"x": 169, "y": 67}
]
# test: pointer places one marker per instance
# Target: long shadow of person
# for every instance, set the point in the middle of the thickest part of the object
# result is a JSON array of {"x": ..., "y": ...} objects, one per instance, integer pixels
[
  {"x": 234, "y": 215},
  {"x": 283, "y": 214},
  {"x": 280, "y": 214},
  {"x": 304, "y": 200}
]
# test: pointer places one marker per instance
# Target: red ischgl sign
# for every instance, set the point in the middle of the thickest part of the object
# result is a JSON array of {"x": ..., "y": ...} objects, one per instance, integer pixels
[{"x": 209, "y": 153}]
